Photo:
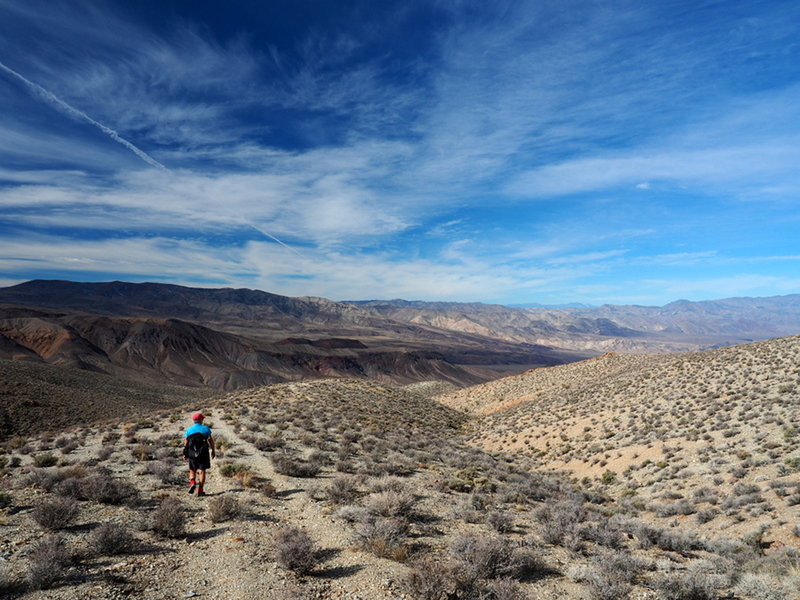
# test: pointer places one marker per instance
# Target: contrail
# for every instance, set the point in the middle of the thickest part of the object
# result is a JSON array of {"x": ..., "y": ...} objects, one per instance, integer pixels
[
  {"x": 58, "y": 103},
  {"x": 272, "y": 237}
]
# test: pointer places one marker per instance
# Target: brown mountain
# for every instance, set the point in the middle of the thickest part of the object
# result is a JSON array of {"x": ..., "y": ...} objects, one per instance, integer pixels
[
  {"x": 170, "y": 350},
  {"x": 229, "y": 339}
]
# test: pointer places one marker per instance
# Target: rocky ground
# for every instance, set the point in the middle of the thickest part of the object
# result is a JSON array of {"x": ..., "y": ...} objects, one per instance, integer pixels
[{"x": 350, "y": 489}]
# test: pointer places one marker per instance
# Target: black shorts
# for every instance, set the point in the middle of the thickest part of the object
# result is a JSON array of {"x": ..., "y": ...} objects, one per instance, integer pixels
[{"x": 201, "y": 463}]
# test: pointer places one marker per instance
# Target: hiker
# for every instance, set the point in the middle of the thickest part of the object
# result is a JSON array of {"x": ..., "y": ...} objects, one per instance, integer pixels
[{"x": 197, "y": 442}]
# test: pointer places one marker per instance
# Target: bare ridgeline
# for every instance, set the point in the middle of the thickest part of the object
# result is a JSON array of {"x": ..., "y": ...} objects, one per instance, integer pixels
[{"x": 650, "y": 476}]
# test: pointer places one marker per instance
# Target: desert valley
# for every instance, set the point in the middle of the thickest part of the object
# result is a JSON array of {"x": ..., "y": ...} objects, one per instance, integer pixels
[{"x": 396, "y": 450}]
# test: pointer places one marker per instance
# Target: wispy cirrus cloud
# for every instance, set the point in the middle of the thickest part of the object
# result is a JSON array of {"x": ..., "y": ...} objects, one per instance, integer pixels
[{"x": 508, "y": 149}]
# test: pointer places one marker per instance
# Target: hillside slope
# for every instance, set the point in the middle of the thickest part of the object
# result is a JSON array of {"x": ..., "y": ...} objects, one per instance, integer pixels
[
  {"x": 340, "y": 489},
  {"x": 662, "y": 430},
  {"x": 37, "y": 397}
]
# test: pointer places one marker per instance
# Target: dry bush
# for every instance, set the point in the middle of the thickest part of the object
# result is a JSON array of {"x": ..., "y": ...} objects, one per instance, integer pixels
[
  {"x": 286, "y": 464},
  {"x": 48, "y": 561},
  {"x": 294, "y": 550},
  {"x": 169, "y": 519},
  {"x": 504, "y": 588},
  {"x": 561, "y": 522},
  {"x": 391, "y": 504},
  {"x": 163, "y": 471},
  {"x": 383, "y": 537},
  {"x": 56, "y": 513},
  {"x": 111, "y": 539},
  {"x": 7, "y": 584},
  {"x": 103, "y": 487},
  {"x": 46, "y": 459},
  {"x": 431, "y": 578},
  {"x": 224, "y": 508},
  {"x": 612, "y": 574},
  {"x": 500, "y": 521},
  {"x": 690, "y": 585},
  {"x": 342, "y": 490},
  {"x": 42, "y": 479},
  {"x": 760, "y": 587},
  {"x": 490, "y": 557}
]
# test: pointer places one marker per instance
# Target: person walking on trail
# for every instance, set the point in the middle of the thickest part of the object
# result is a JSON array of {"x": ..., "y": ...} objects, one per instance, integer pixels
[{"x": 198, "y": 450}]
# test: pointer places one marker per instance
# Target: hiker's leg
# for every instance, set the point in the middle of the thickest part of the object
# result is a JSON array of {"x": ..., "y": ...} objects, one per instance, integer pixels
[
  {"x": 201, "y": 477},
  {"x": 192, "y": 482}
]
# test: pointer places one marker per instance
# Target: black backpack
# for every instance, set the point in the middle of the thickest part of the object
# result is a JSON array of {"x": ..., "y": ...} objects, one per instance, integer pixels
[{"x": 196, "y": 445}]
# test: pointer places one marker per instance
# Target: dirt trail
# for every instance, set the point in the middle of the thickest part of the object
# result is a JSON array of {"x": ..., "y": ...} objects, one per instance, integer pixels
[{"x": 234, "y": 559}]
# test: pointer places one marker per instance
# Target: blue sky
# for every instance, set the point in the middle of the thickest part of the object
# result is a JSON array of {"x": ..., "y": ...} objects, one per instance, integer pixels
[{"x": 517, "y": 152}]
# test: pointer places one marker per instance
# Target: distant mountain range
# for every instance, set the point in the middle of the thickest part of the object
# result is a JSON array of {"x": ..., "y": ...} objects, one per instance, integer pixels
[
  {"x": 232, "y": 338},
  {"x": 226, "y": 339},
  {"x": 678, "y": 326}
]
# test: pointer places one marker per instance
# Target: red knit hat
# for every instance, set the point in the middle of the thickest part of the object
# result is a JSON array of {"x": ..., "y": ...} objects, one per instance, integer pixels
[{"x": 197, "y": 417}]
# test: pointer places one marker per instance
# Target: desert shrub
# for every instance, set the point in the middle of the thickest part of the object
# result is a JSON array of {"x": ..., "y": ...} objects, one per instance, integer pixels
[
  {"x": 760, "y": 587},
  {"x": 431, "y": 578},
  {"x": 504, "y": 588},
  {"x": 666, "y": 539},
  {"x": 72, "y": 488},
  {"x": 7, "y": 583},
  {"x": 690, "y": 585},
  {"x": 604, "y": 586},
  {"x": 233, "y": 469},
  {"x": 561, "y": 522},
  {"x": 5, "y": 499},
  {"x": 391, "y": 504},
  {"x": 388, "y": 484},
  {"x": 105, "y": 453},
  {"x": 500, "y": 521},
  {"x": 288, "y": 464},
  {"x": 48, "y": 560},
  {"x": 383, "y": 537},
  {"x": 490, "y": 557},
  {"x": 163, "y": 471},
  {"x": 270, "y": 443},
  {"x": 611, "y": 575},
  {"x": 294, "y": 550},
  {"x": 103, "y": 487},
  {"x": 42, "y": 479},
  {"x": 603, "y": 534},
  {"x": 46, "y": 459},
  {"x": 342, "y": 490},
  {"x": 670, "y": 509},
  {"x": 111, "y": 539},
  {"x": 169, "y": 518},
  {"x": 706, "y": 515},
  {"x": 706, "y": 494},
  {"x": 352, "y": 513},
  {"x": 56, "y": 513},
  {"x": 223, "y": 508}
]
